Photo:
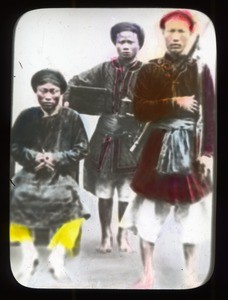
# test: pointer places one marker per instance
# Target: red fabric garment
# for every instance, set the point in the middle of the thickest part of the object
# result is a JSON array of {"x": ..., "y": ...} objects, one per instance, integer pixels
[
  {"x": 153, "y": 102},
  {"x": 171, "y": 188}
]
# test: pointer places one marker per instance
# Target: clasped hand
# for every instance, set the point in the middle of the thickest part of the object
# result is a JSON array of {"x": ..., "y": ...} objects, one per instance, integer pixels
[
  {"x": 187, "y": 102},
  {"x": 44, "y": 160}
]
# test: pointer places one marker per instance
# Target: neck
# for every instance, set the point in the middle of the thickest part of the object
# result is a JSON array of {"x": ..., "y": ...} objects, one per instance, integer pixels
[
  {"x": 126, "y": 62},
  {"x": 175, "y": 57},
  {"x": 52, "y": 112}
]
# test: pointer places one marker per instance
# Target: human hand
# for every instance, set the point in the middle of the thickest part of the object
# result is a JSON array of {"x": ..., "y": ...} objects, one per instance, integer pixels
[
  {"x": 66, "y": 104},
  {"x": 206, "y": 164},
  {"x": 44, "y": 160},
  {"x": 187, "y": 102}
]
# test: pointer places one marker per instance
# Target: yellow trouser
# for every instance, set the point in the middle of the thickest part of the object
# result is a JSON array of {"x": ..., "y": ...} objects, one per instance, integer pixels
[{"x": 68, "y": 235}]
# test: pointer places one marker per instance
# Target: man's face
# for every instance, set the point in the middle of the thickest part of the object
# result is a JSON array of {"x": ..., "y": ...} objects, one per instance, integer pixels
[
  {"x": 127, "y": 45},
  {"x": 176, "y": 35},
  {"x": 48, "y": 96}
]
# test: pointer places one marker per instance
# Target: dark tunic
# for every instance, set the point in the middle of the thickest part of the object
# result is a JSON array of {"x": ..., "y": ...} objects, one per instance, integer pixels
[
  {"x": 46, "y": 199},
  {"x": 110, "y": 144},
  {"x": 154, "y": 89}
]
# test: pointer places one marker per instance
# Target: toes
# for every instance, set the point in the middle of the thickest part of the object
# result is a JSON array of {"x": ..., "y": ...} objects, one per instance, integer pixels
[
  {"x": 106, "y": 246},
  {"x": 103, "y": 249}
]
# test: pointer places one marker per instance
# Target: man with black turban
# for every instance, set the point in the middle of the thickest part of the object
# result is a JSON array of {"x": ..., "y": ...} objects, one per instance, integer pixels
[
  {"x": 110, "y": 165},
  {"x": 47, "y": 141}
]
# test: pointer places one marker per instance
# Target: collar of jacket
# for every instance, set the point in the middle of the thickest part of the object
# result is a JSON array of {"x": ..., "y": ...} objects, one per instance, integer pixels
[{"x": 131, "y": 67}]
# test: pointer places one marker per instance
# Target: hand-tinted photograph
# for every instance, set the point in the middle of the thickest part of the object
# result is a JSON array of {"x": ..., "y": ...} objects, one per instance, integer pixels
[{"x": 113, "y": 149}]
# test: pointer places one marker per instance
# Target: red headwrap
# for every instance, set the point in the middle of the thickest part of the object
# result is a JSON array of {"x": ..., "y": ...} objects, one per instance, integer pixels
[{"x": 182, "y": 15}]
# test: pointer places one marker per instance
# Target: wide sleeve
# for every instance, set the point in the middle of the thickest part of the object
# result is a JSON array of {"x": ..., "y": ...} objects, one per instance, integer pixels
[
  {"x": 89, "y": 78},
  {"x": 79, "y": 145},
  {"x": 209, "y": 112},
  {"x": 151, "y": 101},
  {"x": 21, "y": 147}
]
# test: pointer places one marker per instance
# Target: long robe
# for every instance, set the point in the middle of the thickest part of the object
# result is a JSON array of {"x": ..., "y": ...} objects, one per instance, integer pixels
[{"x": 46, "y": 199}]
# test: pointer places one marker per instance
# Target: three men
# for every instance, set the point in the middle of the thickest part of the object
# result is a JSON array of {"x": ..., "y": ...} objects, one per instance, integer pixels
[{"x": 171, "y": 93}]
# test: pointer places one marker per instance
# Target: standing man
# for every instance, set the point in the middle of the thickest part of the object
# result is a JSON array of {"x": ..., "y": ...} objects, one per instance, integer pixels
[
  {"x": 177, "y": 98},
  {"x": 110, "y": 164}
]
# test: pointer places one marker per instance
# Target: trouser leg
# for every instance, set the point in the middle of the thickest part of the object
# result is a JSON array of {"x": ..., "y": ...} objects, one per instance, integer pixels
[
  {"x": 105, "y": 207},
  {"x": 189, "y": 218},
  {"x": 190, "y": 254},
  {"x": 65, "y": 240},
  {"x": 150, "y": 219},
  {"x": 29, "y": 262}
]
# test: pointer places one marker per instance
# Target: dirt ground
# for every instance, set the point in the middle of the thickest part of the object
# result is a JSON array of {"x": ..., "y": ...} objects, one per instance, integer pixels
[{"x": 116, "y": 270}]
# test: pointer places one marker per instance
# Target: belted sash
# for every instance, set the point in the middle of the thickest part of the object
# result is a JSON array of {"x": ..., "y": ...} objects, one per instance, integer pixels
[{"x": 177, "y": 149}]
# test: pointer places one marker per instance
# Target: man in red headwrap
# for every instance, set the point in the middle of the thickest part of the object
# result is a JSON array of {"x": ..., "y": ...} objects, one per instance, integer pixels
[{"x": 177, "y": 98}]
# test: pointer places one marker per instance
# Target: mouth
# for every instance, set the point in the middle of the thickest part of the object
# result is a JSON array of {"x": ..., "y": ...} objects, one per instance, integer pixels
[
  {"x": 47, "y": 105},
  {"x": 175, "y": 46}
]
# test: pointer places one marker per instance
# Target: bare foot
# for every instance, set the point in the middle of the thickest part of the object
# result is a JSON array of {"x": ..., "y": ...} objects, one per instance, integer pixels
[
  {"x": 56, "y": 261},
  {"x": 124, "y": 246},
  {"x": 122, "y": 239},
  {"x": 59, "y": 273},
  {"x": 144, "y": 283},
  {"x": 27, "y": 270},
  {"x": 105, "y": 246},
  {"x": 191, "y": 280}
]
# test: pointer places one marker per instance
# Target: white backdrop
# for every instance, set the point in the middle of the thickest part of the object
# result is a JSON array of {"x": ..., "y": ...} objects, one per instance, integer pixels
[{"x": 73, "y": 40}]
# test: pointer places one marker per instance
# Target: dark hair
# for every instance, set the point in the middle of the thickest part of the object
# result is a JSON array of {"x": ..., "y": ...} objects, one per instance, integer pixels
[
  {"x": 182, "y": 15},
  {"x": 49, "y": 75},
  {"x": 126, "y": 26}
]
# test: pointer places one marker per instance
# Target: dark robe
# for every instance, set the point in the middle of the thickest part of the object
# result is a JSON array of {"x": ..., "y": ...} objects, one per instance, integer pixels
[
  {"x": 110, "y": 155},
  {"x": 152, "y": 103},
  {"x": 46, "y": 199}
]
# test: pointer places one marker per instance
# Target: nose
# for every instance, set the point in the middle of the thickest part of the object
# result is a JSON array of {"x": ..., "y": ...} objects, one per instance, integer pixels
[
  {"x": 125, "y": 46},
  {"x": 48, "y": 96},
  {"x": 176, "y": 36}
]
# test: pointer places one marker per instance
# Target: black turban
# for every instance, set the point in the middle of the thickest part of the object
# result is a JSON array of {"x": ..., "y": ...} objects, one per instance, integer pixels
[
  {"x": 125, "y": 26},
  {"x": 46, "y": 76}
]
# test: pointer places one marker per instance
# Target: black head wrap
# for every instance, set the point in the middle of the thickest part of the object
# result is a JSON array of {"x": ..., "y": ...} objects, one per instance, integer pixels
[
  {"x": 126, "y": 26},
  {"x": 46, "y": 76}
]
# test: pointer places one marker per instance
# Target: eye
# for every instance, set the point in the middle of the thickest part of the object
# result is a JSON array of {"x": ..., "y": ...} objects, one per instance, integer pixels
[{"x": 43, "y": 91}]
